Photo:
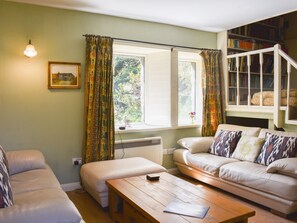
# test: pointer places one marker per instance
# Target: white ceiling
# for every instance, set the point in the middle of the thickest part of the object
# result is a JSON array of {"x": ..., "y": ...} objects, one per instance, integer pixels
[{"x": 208, "y": 15}]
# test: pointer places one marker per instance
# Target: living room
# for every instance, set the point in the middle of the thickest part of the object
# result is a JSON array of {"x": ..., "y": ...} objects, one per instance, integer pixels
[{"x": 51, "y": 120}]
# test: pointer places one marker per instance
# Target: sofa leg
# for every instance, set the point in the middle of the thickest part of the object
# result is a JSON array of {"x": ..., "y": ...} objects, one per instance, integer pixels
[{"x": 278, "y": 213}]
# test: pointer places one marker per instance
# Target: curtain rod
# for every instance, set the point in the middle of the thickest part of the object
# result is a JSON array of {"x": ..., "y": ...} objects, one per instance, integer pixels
[{"x": 160, "y": 44}]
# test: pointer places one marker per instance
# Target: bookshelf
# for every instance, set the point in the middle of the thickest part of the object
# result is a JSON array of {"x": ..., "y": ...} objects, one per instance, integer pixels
[{"x": 259, "y": 35}]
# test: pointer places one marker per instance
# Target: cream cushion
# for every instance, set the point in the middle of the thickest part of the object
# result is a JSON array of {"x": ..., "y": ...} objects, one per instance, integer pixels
[
  {"x": 248, "y": 148},
  {"x": 95, "y": 174},
  {"x": 196, "y": 144},
  {"x": 24, "y": 160},
  {"x": 248, "y": 131},
  {"x": 286, "y": 166},
  {"x": 274, "y": 132},
  {"x": 205, "y": 162},
  {"x": 270, "y": 101},
  {"x": 38, "y": 179},
  {"x": 46, "y": 206},
  {"x": 268, "y": 98},
  {"x": 255, "y": 176},
  {"x": 270, "y": 94},
  {"x": 293, "y": 93}
]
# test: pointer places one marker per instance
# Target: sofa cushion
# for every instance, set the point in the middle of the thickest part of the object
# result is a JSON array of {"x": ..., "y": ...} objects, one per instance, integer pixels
[
  {"x": 275, "y": 132},
  {"x": 24, "y": 160},
  {"x": 246, "y": 131},
  {"x": 32, "y": 180},
  {"x": 255, "y": 176},
  {"x": 6, "y": 196},
  {"x": 248, "y": 148},
  {"x": 196, "y": 144},
  {"x": 277, "y": 147},
  {"x": 207, "y": 162},
  {"x": 225, "y": 143},
  {"x": 46, "y": 206},
  {"x": 286, "y": 166}
]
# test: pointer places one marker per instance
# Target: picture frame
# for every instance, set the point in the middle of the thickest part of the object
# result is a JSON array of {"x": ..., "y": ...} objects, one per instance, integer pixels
[{"x": 64, "y": 75}]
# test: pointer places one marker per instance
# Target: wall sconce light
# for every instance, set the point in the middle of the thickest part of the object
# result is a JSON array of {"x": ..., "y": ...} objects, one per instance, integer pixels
[{"x": 30, "y": 50}]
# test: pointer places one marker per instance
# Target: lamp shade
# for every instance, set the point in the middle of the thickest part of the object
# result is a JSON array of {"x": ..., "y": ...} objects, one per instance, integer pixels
[{"x": 30, "y": 50}]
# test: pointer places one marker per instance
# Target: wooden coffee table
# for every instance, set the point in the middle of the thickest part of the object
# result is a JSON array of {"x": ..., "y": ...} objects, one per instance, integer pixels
[{"x": 137, "y": 200}]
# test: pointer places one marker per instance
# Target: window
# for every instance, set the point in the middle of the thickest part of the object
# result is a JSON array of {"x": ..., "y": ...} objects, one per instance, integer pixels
[
  {"x": 189, "y": 88},
  {"x": 154, "y": 87},
  {"x": 186, "y": 91},
  {"x": 128, "y": 89}
]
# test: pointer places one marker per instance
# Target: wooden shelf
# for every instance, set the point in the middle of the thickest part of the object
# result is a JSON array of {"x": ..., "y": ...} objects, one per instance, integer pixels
[
  {"x": 253, "y": 38},
  {"x": 252, "y": 88},
  {"x": 268, "y": 25},
  {"x": 232, "y": 49},
  {"x": 253, "y": 73},
  {"x": 237, "y": 49},
  {"x": 250, "y": 37}
]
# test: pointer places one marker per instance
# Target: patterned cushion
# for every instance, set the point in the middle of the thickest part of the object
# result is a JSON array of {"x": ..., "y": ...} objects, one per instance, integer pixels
[
  {"x": 225, "y": 143},
  {"x": 277, "y": 147},
  {"x": 6, "y": 198},
  {"x": 248, "y": 148}
]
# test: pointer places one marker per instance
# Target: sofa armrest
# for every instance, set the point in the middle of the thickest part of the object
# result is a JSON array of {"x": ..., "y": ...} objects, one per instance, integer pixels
[
  {"x": 25, "y": 160},
  {"x": 196, "y": 144},
  {"x": 285, "y": 166}
]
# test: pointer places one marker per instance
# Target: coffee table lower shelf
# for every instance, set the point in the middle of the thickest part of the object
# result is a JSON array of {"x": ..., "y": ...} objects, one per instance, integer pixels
[{"x": 136, "y": 200}]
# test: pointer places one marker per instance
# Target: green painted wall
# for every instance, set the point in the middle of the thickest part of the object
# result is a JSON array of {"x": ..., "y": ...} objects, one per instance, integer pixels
[{"x": 52, "y": 120}]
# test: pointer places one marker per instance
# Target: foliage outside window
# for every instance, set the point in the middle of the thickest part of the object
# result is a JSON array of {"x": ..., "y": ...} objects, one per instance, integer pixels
[
  {"x": 128, "y": 89},
  {"x": 186, "y": 91}
]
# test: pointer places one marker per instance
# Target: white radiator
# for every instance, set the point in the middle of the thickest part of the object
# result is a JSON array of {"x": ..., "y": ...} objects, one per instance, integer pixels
[{"x": 149, "y": 148}]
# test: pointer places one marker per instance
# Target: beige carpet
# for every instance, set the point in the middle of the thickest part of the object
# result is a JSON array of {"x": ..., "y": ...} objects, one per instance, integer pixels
[{"x": 92, "y": 212}]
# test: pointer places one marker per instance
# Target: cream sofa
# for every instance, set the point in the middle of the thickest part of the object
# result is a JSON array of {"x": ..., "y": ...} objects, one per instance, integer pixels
[
  {"x": 37, "y": 194},
  {"x": 266, "y": 185}
]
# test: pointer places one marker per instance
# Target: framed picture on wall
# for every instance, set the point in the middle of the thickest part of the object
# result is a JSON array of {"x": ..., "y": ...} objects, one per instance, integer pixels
[{"x": 62, "y": 75}]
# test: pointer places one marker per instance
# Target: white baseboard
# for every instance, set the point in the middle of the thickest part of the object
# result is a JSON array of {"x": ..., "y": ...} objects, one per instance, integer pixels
[
  {"x": 71, "y": 186},
  {"x": 173, "y": 171}
]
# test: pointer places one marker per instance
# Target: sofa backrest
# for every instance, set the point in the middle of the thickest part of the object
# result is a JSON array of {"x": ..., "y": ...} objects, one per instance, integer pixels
[
  {"x": 279, "y": 133},
  {"x": 247, "y": 131}
]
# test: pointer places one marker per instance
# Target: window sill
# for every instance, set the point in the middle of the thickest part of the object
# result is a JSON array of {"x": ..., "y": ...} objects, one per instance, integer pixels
[{"x": 147, "y": 128}]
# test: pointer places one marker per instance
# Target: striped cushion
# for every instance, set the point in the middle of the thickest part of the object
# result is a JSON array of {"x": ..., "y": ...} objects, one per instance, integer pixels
[
  {"x": 277, "y": 147},
  {"x": 6, "y": 198},
  {"x": 225, "y": 143}
]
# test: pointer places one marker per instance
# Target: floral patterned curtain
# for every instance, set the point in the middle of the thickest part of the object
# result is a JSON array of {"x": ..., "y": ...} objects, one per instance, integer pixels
[
  {"x": 213, "y": 91},
  {"x": 98, "y": 141}
]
